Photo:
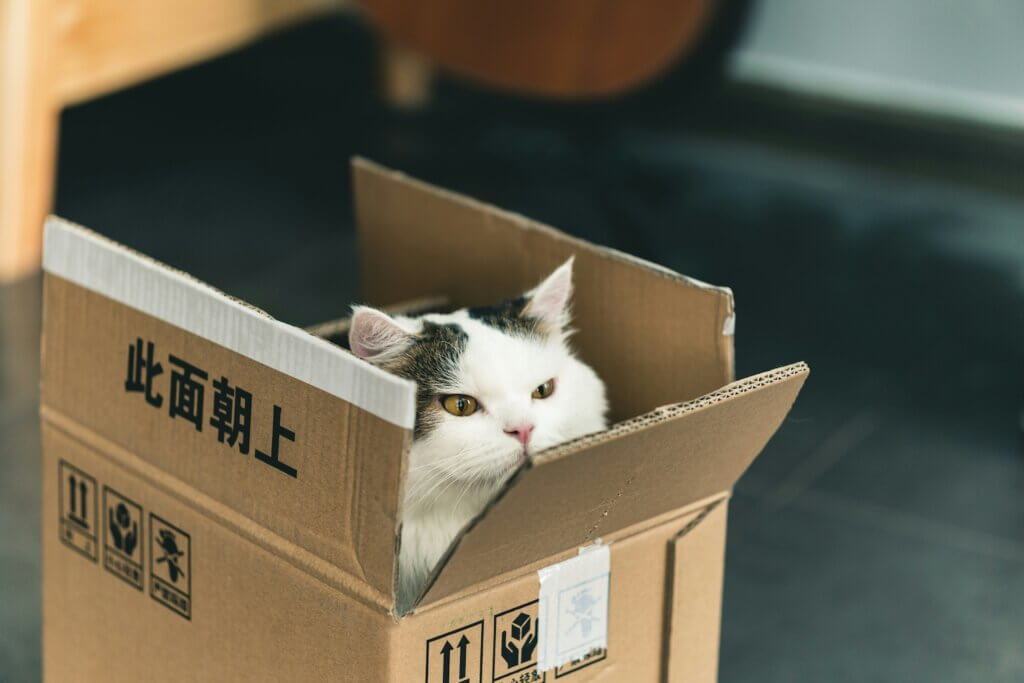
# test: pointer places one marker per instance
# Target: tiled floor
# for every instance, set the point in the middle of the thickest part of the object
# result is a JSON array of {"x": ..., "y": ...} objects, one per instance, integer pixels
[{"x": 879, "y": 537}]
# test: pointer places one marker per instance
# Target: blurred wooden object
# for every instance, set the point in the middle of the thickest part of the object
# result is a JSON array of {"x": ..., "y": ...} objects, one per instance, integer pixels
[
  {"x": 567, "y": 48},
  {"x": 58, "y": 52},
  {"x": 28, "y": 133},
  {"x": 406, "y": 77}
]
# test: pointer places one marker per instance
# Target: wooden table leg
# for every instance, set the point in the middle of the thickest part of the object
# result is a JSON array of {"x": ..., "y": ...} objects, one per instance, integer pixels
[
  {"x": 28, "y": 132},
  {"x": 407, "y": 78}
]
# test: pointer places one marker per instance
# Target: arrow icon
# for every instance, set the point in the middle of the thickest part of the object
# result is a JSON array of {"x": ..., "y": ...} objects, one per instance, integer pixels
[
  {"x": 463, "y": 645},
  {"x": 446, "y": 666},
  {"x": 446, "y": 660}
]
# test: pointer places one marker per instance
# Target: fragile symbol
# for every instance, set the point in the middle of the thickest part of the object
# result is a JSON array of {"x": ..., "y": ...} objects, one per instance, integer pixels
[
  {"x": 169, "y": 545},
  {"x": 122, "y": 547},
  {"x": 516, "y": 637},
  {"x": 125, "y": 538},
  {"x": 523, "y": 641}
]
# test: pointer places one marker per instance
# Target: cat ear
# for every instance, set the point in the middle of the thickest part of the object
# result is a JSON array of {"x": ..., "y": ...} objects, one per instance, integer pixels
[
  {"x": 549, "y": 301},
  {"x": 376, "y": 336}
]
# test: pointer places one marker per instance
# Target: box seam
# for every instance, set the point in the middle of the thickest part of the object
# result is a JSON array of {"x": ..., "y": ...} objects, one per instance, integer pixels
[{"x": 670, "y": 570}]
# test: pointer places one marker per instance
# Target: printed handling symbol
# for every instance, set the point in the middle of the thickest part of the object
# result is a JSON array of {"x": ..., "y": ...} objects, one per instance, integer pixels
[
  {"x": 125, "y": 539},
  {"x": 169, "y": 545},
  {"x": 524, "y": 641},
  {"x": 78, "y": 492},
  {"x": 446, "y": 654},
  {"x": 455, "y": 656},
  {"x": 583, "y": 604}
]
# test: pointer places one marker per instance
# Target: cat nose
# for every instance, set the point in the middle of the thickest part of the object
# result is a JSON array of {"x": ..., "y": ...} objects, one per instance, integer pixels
[{"x": 522, "y": 432}]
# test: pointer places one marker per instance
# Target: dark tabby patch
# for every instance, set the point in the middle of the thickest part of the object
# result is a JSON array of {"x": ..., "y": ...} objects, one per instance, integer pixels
[
  {"x": 432, "y": 362},
  {"x": 507, "y": 317}
]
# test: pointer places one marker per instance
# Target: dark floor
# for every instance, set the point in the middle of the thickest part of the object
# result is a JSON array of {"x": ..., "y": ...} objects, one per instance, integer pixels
[{"x": 879, "y": 537}]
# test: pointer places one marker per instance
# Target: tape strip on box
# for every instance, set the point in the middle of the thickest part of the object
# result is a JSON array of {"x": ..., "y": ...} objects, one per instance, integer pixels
[
  {"x": 573, "y": 610},
  {"x": 105, "y": 267}
]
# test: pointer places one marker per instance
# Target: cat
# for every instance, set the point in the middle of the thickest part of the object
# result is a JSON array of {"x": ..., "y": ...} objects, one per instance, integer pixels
[{"x": 495, "y": 385}]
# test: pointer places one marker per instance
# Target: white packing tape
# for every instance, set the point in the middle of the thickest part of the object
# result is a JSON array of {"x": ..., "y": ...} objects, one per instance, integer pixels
[
  {"x": 100, "y": 265},
  {"x": 573, "y": 610}
]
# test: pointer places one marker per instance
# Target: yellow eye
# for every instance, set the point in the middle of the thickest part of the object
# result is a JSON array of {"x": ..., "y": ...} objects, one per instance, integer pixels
[
  {"x": 459, "y": 405},
  {"x": 545, "y": 390}
]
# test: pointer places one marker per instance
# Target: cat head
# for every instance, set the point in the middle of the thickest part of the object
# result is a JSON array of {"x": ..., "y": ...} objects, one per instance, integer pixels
[{"x": 494, "y": 384}]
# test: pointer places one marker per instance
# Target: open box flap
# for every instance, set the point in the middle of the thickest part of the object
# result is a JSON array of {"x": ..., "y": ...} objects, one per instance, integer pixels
[
  {"x": 418, "y": 240},
  {"x": 657, "y": 463},
  {"x": 107, "y": 307}
]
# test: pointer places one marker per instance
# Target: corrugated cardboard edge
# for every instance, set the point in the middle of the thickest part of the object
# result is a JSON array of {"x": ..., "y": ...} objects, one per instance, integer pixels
[
  {"x": 674, "y": 410},
  {"x": 79, "y": 255},
  {"x": 653, "y": 417}
]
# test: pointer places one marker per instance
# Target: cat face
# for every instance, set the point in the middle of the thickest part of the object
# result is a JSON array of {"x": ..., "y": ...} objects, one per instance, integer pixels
[{"x": 494, "y": 384}]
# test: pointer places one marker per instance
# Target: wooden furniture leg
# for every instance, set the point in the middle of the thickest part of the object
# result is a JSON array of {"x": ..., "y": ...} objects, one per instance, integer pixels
[
  {"x": 407, "y": 77},
  {"x": 28, "y": 133},
  {"x": 58, "y": 52}
]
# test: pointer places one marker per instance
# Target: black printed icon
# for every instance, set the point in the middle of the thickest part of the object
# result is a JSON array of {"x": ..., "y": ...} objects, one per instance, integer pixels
[
  {"x": 170, "y": 566},
  {"x": 78, "y": 496},
  {"x": 455, "y": 657},
  {"x": 515, "y": 645},
  {"x": 122, "y": 547},
  {"x": 519, "y": 642},
  {"x": 77, "y": 501},
  {"x": 168, "y": 543},
  {"x": 123, "y": 529},
  {"x": 446, "y": 657}
]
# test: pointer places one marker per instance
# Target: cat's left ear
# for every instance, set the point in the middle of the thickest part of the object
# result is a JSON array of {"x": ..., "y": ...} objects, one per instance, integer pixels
[
  {"x": 549, "y": 301},
  {"x": 376, "y": 336}
]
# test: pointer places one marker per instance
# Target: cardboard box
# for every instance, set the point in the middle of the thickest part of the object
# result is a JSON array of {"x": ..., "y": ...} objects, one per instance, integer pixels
[{"x": 222, "y": 490}]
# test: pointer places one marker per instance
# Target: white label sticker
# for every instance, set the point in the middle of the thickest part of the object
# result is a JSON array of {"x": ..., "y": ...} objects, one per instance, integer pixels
[{"x": 573, "y": 610}]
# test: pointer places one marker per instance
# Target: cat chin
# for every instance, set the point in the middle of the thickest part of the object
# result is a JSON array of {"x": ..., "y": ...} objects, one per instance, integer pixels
[{"x": 501, "y": 466}]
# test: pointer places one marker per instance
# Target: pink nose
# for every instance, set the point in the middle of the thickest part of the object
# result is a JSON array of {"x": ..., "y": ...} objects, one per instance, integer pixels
[{"x": 522, "y": 432}]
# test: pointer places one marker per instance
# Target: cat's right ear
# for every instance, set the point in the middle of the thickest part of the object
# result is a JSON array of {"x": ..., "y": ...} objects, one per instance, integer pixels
[
  {"x": 375, "y": 336},
  {"x": 548, "y": 302}
]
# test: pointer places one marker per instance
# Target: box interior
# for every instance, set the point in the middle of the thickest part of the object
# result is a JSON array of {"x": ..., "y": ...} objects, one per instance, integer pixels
[{"x": 655, "y": 337}]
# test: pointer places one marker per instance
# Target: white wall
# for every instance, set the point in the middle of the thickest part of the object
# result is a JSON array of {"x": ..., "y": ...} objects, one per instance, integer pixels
[{"x": 959, "y": 58}]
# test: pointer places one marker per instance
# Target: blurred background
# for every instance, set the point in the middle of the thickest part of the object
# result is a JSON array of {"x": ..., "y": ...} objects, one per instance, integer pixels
[{"x": 854, "y": 171}]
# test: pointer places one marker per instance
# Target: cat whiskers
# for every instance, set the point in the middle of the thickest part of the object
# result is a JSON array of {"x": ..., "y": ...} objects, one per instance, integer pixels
[{"x": 463, "y": 469}]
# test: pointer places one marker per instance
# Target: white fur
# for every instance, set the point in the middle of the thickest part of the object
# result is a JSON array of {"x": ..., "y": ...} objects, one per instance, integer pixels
[{"x": 457, "y": 467}]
